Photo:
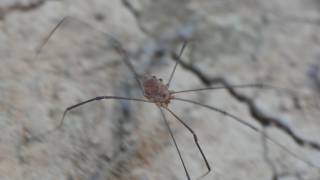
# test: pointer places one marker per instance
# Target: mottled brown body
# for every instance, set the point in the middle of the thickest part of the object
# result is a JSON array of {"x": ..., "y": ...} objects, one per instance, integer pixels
[{"x": 157, "y": 92}]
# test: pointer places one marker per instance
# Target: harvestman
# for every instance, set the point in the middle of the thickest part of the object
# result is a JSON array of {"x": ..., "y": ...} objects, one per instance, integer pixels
[{"x": 156, "y": 91}]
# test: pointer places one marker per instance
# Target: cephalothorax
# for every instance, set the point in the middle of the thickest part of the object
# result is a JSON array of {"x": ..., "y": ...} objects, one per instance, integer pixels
[{"x": 156, "y": 91}]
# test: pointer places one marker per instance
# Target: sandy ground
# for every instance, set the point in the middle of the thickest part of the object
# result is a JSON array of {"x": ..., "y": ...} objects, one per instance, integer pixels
[{"x": 275, "y": 42}]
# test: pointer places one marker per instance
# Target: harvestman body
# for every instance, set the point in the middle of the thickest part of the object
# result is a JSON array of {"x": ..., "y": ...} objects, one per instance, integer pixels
[{"x": 157, "y": 92}]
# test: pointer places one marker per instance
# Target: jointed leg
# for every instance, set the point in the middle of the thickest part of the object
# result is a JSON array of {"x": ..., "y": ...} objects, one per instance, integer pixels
[
  {"x": 176, "y": 64},
  {"x": 252, "y": 127},
  {"x": 266, "y": 154},
  {"x": 196, "y": 142},
  {"x": 220, "y": 111},
  {"x": 80, "y": 104},
  {"x": 116, "y": 45},
  {"x": 95, "y": 99},
  {"x": 257, "y": 85},
  {"x": 175, "y": 143}
]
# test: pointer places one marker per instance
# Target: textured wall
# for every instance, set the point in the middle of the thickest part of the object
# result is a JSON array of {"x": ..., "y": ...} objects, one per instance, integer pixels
[{"x": 275, "y": 42}]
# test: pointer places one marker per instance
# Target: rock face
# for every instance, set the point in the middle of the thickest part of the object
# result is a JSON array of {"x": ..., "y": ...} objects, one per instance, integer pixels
[{"x": 244, "y": 41}]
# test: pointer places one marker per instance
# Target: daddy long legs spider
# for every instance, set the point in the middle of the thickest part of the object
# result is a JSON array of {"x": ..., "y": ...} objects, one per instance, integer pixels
[{"x": 157, "y": 91}]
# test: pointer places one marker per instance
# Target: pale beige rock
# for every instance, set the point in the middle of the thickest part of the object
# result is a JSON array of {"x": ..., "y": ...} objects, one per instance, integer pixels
[{"x": 276, "y": 42}]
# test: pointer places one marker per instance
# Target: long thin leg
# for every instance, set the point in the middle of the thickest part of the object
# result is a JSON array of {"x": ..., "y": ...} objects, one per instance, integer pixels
[
  {"x": 220, "y": 111},
  {"x": 80, "y": 104},
  {"x": 126, "y": 60},
  {"x": 254, "y": 128},
  {"x": 176, "y": 64},
  {"x": 96, "y": 99},
  {"x": 265, "y": 151},
  {"x": 117, "y": 45},
  {"x": 223, "y": 87},
  {"x": 175, "y": 143},
  {"x": 45, "y": 41},
  {"x": 195, "y": 140}
]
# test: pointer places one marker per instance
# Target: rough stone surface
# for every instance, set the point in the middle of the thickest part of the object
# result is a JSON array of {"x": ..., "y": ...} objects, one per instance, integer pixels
[{"x": 275, "y": 42}]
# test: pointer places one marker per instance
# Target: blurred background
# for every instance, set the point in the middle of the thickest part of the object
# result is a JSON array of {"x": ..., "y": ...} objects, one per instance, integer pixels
[{"x": 275, "y": 42}]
